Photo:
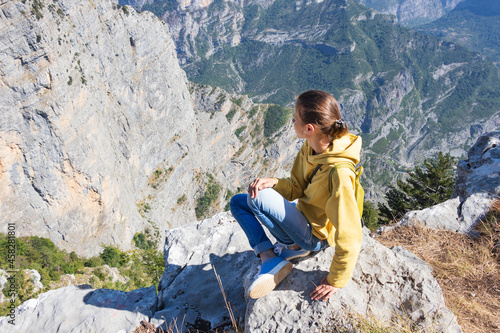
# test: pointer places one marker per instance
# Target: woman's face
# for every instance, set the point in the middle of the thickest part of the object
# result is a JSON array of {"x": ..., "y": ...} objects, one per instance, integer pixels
[{"x": 299, "y": 126}]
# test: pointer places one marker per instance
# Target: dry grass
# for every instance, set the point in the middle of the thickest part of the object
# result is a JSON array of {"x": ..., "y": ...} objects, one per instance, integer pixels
[
  {"x": 467, "y": 269},
  {"x": 145, "y": 327}
]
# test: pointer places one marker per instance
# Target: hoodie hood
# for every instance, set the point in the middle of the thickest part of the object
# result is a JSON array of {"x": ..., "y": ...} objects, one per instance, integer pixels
[{"x": 344, "y": 149}]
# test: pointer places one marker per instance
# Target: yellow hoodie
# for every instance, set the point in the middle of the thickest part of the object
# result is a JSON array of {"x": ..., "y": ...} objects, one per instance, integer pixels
[{"x": 333, "y": 216}]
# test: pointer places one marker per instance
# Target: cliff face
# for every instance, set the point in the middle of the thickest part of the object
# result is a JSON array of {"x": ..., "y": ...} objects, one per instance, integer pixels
[
  {"x": 100, "y": 136},
  {"x": 82, "y": 108}
]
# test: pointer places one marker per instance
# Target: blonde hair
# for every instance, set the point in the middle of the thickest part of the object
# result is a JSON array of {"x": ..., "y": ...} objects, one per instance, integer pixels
[{"x": 322, "y": 109}]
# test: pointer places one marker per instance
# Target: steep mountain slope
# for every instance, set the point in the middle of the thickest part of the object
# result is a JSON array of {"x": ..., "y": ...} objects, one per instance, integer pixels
[
  {"x": 101, "y": 134},
  {"x": 410, "y": 95},
  {"x": 412, "y": 12},
  {"x": 474, "y": 24}
]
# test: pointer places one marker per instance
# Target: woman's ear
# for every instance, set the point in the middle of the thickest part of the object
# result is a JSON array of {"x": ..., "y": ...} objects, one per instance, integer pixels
[{"x": 310, "y": 129}]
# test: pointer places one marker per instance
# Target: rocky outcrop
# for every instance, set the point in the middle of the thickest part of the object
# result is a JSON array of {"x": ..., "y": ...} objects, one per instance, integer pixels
[
  {"x": 480, "y": 172},
  {"x": 477, "y": 185},
  {"x": 83, "y": 309},
  {"x": 34, "y": 278},
  {"x": 385, "y": 282},
  {"x": 189, "y": 295}
]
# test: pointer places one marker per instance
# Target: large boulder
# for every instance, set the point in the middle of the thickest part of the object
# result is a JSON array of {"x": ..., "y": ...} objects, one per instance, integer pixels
[
  {"x": 386, "y": 282},
  {"x": 83, "y": 309},
  {"x": 478, "y": 184}
]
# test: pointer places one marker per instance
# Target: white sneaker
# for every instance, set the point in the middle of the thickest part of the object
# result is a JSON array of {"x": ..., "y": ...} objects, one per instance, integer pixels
[{"x": 270, "y": 275}]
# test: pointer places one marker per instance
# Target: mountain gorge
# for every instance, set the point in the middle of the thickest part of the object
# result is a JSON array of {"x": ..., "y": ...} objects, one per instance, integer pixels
[
  {"x": 102, "y": 136},
  {"x": 408, "y": 94}
]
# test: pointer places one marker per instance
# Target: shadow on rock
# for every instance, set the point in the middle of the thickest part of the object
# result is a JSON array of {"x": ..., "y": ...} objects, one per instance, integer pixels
[
  {"x": 140, "y": 300},
  {"x": 194, "y": 300},
  {"x": 82, "y": 309}
]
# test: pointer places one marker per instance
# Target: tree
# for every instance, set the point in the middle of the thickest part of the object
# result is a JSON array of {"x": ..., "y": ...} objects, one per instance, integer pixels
[
  {"x": 425, "y": 186},
  {"x": 113, "y": 257},
  {"x": 370, "y": 215}
]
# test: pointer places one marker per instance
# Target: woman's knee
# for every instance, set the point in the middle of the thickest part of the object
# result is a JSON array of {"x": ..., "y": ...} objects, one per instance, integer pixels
[
  {"x": 264, "y": 196},
  {"x": 238, "y": 201}
]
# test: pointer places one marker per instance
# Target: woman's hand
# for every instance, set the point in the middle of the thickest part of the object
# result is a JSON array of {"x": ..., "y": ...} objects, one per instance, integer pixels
[
  {"x": 260, "y": 184},
  {"x": 324, "y": 291}
]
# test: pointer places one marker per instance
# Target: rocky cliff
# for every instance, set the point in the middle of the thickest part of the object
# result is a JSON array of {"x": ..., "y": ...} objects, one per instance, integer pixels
[{"x": 101, "y": 134}]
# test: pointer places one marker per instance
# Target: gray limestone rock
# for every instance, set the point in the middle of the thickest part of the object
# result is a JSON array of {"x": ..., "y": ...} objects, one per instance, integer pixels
[
  {"x": 83, "y": 309},
  {"x": 441, "y": 216},
  {"x": 3, "y": 282},
  {"x": 472, "y": 210},
  {"x": 385, "y": 282},
  {"x": 35, "y": 278},
  {"x": 413, "y": 12}
]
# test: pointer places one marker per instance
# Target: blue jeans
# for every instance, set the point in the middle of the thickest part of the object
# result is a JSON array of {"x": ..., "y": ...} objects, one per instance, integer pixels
[{"x": 283, "y": 220}]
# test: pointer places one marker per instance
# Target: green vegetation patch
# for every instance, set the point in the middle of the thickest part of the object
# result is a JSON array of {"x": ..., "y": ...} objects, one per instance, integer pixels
[
  {"x": 36, "y": 9},
  {"x": 181, "y": 199},
  {"x": 239, "y": 131},
  {"x": 380, "y": 146},
  {"x": 252, "y": 112},
  {"x": 209, "y": 197},
  {"x": 143, "y": 240},
  {"x": 143, "y": 267},
  {"x": 275, "y": 117},
  {"x": 230, "y": 114},
  {"x": 159, "y": 175},
  {"x": 237, "y": 101},
  {"x": 160, "y": 7}
]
